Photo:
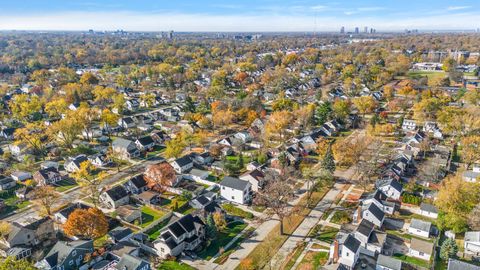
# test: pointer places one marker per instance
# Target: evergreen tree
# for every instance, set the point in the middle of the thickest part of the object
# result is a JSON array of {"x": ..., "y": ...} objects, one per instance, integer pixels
[
  {"x": 328, "y": 163},
  {"x": 448, "y": 249},
  {"x": 211, "y": 228},
  {"x": 323, "y": 113},
  {"x": 240, "y": 162},
  {"x": 189, "y": 104}
]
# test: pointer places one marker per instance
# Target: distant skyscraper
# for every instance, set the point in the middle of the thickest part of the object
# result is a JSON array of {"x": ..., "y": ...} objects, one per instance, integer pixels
[
  {"x": 365, "y": 30},
  {"x": 342, "y": 30},
  {"x": 357, "y": 30},
  {"x": 170, "y": 34}
]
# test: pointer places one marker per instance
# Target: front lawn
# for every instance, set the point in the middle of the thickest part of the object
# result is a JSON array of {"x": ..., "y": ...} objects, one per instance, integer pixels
[
  {"x": 223, "y": 238},
  {"x": 149, "y": 215},
  {"x": 326, "y": 234},
  {"x": 235, "y": 211},
  {"x": 174, "y": 265},
  {"x": 12, "y": 203},
  {"x": 154, "y": 232},
  {"x": 313, "y": 260},
  {"x": 341, "y": 217},
  {"x": 412, "y": 260},
  {"x": 65, "y": 185}
]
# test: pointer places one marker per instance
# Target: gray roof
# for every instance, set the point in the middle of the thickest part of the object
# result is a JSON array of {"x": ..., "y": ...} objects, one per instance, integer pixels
[
  {"x": 471, "y": 174},
  {"x": 421, "y": 245},
  {"x": 351, "y": 243},
  {"x": 121, "y": 143},
  {"x": 130, "y": 262},
  {"x": 377, "y": 212},
  {"x": 389, "y": 262},
  {"x": 459, "y": 265},
  {"x": 421, "y": 225},
  {"x": 234, "y": 183},
  {"x": 473, "y": 236},
  {"x": 428, "y": 208}
]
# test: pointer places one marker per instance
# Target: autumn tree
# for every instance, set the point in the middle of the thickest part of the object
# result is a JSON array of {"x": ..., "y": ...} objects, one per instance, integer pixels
[
  {"x": 91, "y": 183},
  {"x": 65, "y": 130},
  {"x": 159, "y": 176},
  {"x": 108, "y": 119},
  {"x": 456, "y": 199},
  {"x": 45, "y": 197},
  {"x": 86, "y": 223},
  {"x": 88, "y": 78},
  {"x": 33, "y": 135},
  {"x": 277, "y": 124},
  {"x": 174, "y": 147},
  {"x": 24, "y": 106},
  {"x": 56, "y": 107},
  {"x": 12, "y": 263},
  {"x": 341, "y": 108},
  {"x": 220, "y": 221},
  {"x": 365, "y": 104},
  {"x": 470, "y": 152},
  {"x": 474, "y": 218},
  {"x": 103, "y": 95}
]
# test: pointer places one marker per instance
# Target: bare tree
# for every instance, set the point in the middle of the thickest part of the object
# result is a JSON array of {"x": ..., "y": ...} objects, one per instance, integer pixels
[
  {"x": 473, "y": 219},
  {"x": 46, "y": 197},
  {"x": 276, "y": 195}
]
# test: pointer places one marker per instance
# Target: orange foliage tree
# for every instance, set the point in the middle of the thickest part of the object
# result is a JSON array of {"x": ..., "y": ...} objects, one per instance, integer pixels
[
  {"x": 159, "y": 176},
  {"x": 88, "y": 224}
]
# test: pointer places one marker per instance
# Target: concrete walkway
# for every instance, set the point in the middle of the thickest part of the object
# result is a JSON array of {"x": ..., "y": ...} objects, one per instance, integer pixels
[{"x": 306, "y": 226}]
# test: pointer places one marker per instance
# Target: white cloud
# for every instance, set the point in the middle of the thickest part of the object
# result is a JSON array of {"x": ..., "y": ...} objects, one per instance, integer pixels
[
  {"x": 162, "y": 21},
  {"x": 458, "y": 7}
]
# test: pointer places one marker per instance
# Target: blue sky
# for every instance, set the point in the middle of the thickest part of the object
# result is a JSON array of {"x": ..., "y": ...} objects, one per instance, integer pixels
[{"x": 247, "y": 15}]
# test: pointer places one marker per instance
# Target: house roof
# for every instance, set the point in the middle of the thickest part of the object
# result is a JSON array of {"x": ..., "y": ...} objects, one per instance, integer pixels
[
  {"x": 68, "y": 210},
  {"x": 459, "y": 265},
  {"x": 78, "y": 160},
  {"x": 62, "y": 249},
  {"x": 352, "y": 243},
  {"x": 422, "y": 246},
  {"x": 365, "y": 227},
  {"x": 185, "y": 160},
  {"x": 389, "y": 262},
  {"x": 138, "y": 181},
  {"x": 50, "y": 171},
  {"x": 130, "y": 262},
  {"x": 119, "y": 233},
  {"x": 390, "y": 182},
  {"x": 428, "y": 208},
  {"x": 176, "y": 229},
  {"x": 472, "y": 236},
  {"x": 377, "y": 212},
  {"x": 420, "y": 225},
  {"x": 121, "y": 143},
  {"x": 116, "y": 193},
  {"x": 146, "y": 140},
  {"x": 234, "y": 183}
]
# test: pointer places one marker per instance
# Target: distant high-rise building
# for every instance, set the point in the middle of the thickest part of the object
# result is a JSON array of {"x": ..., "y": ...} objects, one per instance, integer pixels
[
  {"x": 357, "y": 30},
  {"x": 372, "y": 30},
  {"x": 170, "y": 34},
  {"x": 342, "y": 30},
  {"x": 365, "y": 30}
]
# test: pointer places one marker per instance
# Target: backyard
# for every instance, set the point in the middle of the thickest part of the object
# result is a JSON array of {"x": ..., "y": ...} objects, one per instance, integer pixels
[
  {"x": 223, "y": 238},
  {"x": 149, "y": 215}
]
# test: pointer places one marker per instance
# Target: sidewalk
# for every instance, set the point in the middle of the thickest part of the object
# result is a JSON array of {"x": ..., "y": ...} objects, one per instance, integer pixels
[{"x": 306, "y": 226}]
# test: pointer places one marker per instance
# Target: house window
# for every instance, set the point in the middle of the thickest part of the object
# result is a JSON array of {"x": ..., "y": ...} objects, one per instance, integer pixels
[
  {"x": 348, "y": 254},
  {"x": 74, "y": 253},
  {"x": 70, "y": 262},
  {"x": 162, "y": 250},
  {"x": 421, "y": 253}
]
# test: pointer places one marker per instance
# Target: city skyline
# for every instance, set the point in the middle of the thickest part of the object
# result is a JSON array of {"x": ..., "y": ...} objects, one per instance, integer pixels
[{"x": 214, "y": 16}]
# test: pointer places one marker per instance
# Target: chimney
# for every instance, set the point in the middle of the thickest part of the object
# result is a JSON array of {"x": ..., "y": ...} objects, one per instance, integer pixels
[
  {"x": 335, "y": 251},
  {"x": 359, "y": 214}
]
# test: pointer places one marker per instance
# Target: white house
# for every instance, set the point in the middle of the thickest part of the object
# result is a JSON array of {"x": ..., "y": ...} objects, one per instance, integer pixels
[
  {"x": 255, "y": 177},
  {"x": 433, "y": 129},
  {"x": 473, "y": 175},
  {"x": 145, "y": 143},
  {"x": 236, "y": 190},
  {"x": 390, "y": 187},
  {"x": 73, "y": 164},
  {"x": 420, "y": 228},
  {"x": 428, "y": 210},
  {"x": 21, "y": 176},
  {"x": 115, "y": 197},
  {"x": 187, "y": 233},
  {"x": 370, "y": 212},
  {"x": 125, "y": 148},
  {"x": 350, "y": 251},
  {"x": 183, "y": 164},
  {"x": 472, "y": 242},
  {"x": 409, "y": 125},
  {"x": 421, "y": 249}
]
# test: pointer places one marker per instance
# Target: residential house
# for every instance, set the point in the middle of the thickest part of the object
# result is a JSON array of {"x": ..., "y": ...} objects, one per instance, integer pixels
[
  {"x": 420, "y": 249},
  {"x": 473, "y": 175},
  {"x": 390, "y": 187},
  {"x": 433, "y": 129},
  {"x": 372, "y": 241},
  {"x": 183, "y": 164},
  {"x": 73, "y": 164},
  {"x": 380, "y": 200},
  {"x": 129, "y": 262},
  {"x": 148, "y": 197},
  {"x": 204, "y": 158},
  {"x": 243, "y": 136},
  {"x": 256, "y": 179},
  {"x": 145, "y": 143},
  {"x": 461, "y": 265},
  {"x": 349, "y": 251},
  {"x": 127, "y": 122},
  {"x": 7, "y": 182},
  {"x": 185, "y": 234},
  {"x": 125, "y": 148},
  {"x": 409, "y": 125},
  {"x": 428, "y": 210},
  {"x": 197, "y": 175},
  {"x": 136, "y": 184},
  {"x": 236, "y": 190},
  {"x": 47, "y": 176},
  {"x": 62, "y": 215},
  {"x": 370, "y": 212},
  {"x": 472, "y": 242},
  {"x": 21, "y": 176},
  {"x": 119, "y": 234},
  {"x": 420, "y": 228},
  {"x": 25, "y": 193},
  {"x": 99, "y": 160},
  {"x": 158, "y": 136},
  {"x": 66, "y": 255},
  {"x": 8, "y": 133},
  {"x": 36, "y": 233},
  {"x": 115, "y": 197},
  {"x": 388, "y": 263}
]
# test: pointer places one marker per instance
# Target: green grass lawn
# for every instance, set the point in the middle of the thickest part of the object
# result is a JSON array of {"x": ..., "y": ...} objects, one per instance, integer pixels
[
  {"x": 235, "y": 211},
  {"x": 154, "y": 232},
  {"x": 65, "y": 185},
  {"x": 149, "y": 215},
  {"x": 173, "y": 265},
  {"x": 327, "y": 234},
  {"x": 412, "y": 260},
  {"x": 157, "y": 150},
  {"x": 429, "y": 74},
  {"x": 341, "y": 217},
  {"x": 222, "y": 258},
  {"x": 12, "y": 203},
  {"x": 223, "y": 238}
]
